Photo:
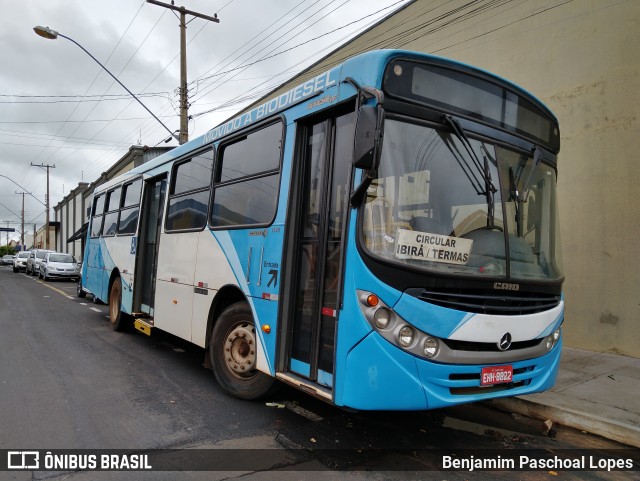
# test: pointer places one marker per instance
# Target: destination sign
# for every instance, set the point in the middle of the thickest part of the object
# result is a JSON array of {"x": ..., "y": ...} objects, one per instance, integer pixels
[{"x": 425, "y": 246}]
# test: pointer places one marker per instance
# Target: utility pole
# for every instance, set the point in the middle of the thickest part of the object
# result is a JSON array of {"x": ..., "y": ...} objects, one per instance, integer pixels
[
  {"x": 22, "y": 225},
  {"x": 184, "y": 106},
  {"x": 46, "y": 166}
]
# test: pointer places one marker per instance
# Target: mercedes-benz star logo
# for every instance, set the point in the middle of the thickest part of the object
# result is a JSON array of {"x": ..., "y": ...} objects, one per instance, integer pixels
[{"x": 505, "y": 342}]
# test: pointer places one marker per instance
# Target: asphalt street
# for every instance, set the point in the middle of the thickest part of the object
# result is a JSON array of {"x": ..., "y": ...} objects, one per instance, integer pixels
[{"x": 67, "y": 381}]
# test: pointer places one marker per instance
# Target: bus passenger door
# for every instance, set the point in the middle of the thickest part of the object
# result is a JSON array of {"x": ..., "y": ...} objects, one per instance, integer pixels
[
  {"x": 148, "y": 242},
  {"x": 323, "y": 184}
]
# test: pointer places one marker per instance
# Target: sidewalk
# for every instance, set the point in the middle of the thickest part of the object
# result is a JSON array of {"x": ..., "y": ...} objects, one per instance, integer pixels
[{"x": 595, "y": 392}]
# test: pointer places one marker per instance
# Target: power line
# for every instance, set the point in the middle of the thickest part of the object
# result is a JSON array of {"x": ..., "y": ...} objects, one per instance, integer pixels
[
  {"x": 44, "y": 136},
  {"x": 282, "y": 17},
  {"x": 78, "y": 121},
  {"x": 94, "y": 79},
  {"x": 212, "y": 87},
  {"x": 300, "y": 44},
  {"x": 80, "y": 100}
]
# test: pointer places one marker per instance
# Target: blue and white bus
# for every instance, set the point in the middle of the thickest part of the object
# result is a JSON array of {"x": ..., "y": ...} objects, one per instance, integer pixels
[{"x": 383, "y": 236}]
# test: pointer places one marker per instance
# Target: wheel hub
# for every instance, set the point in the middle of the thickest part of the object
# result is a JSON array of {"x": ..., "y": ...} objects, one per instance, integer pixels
[{"x": 240, "y": 349}]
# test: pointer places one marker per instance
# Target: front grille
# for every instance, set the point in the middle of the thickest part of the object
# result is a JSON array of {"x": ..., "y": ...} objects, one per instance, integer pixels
[
  {"x": 488, "y": 302},
  {"x": 488, "y": 346},
  {"x": 467, "y": 391}
]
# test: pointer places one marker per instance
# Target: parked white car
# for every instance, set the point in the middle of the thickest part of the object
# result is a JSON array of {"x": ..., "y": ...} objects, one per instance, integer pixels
[
  {"x": 33, "y": 262},
  {"x": 56, "y": 265},
  {"x": 20, "y": 262}
]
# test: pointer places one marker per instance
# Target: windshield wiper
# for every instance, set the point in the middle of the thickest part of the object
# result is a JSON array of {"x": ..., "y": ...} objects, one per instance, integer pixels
[
  {"x": 482, "y": 168},
  {"x": 514, "y": 180},
  {"x": 537, "y": 157},
  {"x": 514, "y": 196}
]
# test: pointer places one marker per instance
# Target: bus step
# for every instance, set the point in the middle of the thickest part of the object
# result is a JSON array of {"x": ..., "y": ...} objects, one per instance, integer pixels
[
  {"x": 143, "y": 317},
  {"x": 143, "y": 326}
]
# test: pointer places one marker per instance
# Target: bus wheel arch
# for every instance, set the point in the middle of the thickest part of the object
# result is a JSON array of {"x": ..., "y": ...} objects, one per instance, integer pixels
[
  {"x": 226, "y": 296},
  {"x": 119, "y": 320},
  {"x": 232, "y": 348}
]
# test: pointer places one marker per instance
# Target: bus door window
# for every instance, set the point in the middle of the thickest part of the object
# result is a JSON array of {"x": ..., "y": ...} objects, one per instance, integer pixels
[
  {"x": 147, "y": 253},
  {"x": 325, "y": 194}
]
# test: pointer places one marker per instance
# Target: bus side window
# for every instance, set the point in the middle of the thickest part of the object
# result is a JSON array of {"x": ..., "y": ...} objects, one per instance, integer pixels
[
  {"x": 111, "y": 217},
  {"x": 96, "y": 220},
  {"x": 189, "y": 193},
  {"x": 247, "y": 189},
  {"x": 128, "y": 218}
]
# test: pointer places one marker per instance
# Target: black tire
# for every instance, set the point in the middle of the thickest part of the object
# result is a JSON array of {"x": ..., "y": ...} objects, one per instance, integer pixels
[
  {"x": 235, "y": 330},
  {"x": 79, "y": 292},
  {"x": 16, "y": 270},
  {"x": 119, "y": 320},
  {"x": 40, "y": 276}
]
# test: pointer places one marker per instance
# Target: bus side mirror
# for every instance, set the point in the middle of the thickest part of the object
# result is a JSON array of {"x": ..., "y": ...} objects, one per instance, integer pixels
[{"x": 366, "y": 137}]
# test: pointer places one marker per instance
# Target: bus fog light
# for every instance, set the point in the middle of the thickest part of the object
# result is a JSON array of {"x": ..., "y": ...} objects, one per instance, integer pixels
[
  {"x": 430, "y": 346},
  {"x": 382, "y": 318},
  {"x": 549, "y": 343},
  {"x": 405, "y": 336},
  {"x": 552, "y": 340}
]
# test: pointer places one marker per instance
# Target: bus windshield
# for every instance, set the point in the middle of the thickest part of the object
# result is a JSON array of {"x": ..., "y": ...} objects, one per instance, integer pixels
[{"x": 428, "y": 207}]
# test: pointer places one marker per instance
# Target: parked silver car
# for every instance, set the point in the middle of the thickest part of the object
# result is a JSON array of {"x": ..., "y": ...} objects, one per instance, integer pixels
[
  {"x": 56, "y": 265},
  {"x": 7, "y": 260},
  {"x": 20, "y": 262},
  {"x": 33, "y": 262}
]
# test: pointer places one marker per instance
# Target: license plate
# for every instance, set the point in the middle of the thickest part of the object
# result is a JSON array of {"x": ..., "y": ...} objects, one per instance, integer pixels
[{"x": 496, "y": 375}]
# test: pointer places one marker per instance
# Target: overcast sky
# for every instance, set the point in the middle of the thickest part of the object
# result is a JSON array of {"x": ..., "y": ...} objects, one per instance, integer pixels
[{"x": 58, "y": 107}]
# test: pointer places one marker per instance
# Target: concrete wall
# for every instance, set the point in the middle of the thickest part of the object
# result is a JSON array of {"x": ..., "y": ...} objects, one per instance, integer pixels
[{"x": 582, "y": 59}]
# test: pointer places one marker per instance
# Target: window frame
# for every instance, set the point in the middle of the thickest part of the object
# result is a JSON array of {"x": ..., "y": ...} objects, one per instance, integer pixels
[
  {"x": 174, "y": 167},
  {"x": 111, "y": 211},
  {"x": 126, "y": 208},
  {"x": 96, "y": 198},
  {"x": 219, "y": 160}
]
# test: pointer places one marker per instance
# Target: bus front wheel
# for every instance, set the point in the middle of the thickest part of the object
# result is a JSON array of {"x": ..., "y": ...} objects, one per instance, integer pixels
[{"x": 232, "y": 351}]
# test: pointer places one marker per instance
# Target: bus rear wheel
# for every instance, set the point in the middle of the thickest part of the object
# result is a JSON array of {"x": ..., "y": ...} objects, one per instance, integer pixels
[
  {"x": 79, "y": 290},
  {"x": 232, "y": 351},
  {"x": 119, "y": 320}
]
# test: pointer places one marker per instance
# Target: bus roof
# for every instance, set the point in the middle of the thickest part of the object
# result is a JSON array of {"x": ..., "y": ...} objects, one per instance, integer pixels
[{"x": 366, "y": 69}]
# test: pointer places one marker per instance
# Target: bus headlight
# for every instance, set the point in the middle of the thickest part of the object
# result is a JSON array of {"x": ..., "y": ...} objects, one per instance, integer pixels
[
  {"x": 430, "y": 346},
  {"x": 405, "y": 336},
  {"x": 399, "y": 332},
  {"x": 382, "y": 318}
]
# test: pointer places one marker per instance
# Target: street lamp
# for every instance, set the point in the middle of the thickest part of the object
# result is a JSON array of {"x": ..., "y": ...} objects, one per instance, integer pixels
[{"x": 50, "y": 34}]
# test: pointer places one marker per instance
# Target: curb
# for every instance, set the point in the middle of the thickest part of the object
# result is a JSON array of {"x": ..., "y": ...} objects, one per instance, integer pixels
[{"x": 591, "y": 423}]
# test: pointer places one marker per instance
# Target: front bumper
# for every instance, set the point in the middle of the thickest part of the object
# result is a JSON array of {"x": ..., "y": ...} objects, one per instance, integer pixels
[
  {"x": 64, "y": 275},
  {"x": 379, "y": 375}
]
